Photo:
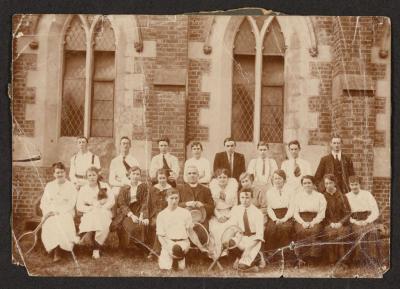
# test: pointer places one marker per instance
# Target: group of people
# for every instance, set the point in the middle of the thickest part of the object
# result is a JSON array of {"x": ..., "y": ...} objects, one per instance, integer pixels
[{"x": 272, "y": 207}]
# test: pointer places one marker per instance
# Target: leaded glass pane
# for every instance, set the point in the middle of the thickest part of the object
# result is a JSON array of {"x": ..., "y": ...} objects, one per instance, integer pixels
[
  {"x": 104, "y": 35},
  {"x": 274, "y": 43},
  {"x": 242, "y": 124},
  {"x": 75, "y": 38},
  {"x": 102, "y": 114},
  {"x": 73, "y": 97},
  {"x": 245, "y": 42},
  {"x": 272, "y": 114}
]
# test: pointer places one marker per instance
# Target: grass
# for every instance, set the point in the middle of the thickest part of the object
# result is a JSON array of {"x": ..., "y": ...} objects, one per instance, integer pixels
[{"x": 133, "y": 262}]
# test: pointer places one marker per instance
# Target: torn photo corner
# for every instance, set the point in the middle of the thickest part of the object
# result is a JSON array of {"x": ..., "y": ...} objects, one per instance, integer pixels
[{"x": 241, "y": 143}]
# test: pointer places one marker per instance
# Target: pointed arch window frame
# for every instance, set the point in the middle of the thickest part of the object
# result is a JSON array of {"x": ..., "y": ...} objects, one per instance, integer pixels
[
  {"x": 89, "y": 30},
  {"x": 259, "y": 41}
]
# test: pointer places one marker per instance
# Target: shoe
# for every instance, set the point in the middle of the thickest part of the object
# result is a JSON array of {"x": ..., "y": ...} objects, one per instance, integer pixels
[
  {"x": 236, "y": 264},
  {"x": 243, "y": 267},
  {"x": 150, "y": 257},
  {"x": 262, "y": 263},
  {"x": 56, "y": 256},
  {"x": 96, "y": 254}
]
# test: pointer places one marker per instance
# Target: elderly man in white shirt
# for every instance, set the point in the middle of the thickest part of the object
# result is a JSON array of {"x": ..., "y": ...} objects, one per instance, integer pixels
[
  {"x": 251, "y": 222},
  {"x": 262, "y": 167},
  {"x": 164, "y": 160},
  {"x": 81, "y": 161},
  {"x": 295, "y": 167},
  {"x": 120, "y": 166},
  {"x": 364, "y": 213},
  {"x": 202, "y": 164}
]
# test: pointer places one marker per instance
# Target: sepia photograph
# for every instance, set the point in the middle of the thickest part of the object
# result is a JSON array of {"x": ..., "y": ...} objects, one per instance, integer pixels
[{"x": 201, "y": 145}]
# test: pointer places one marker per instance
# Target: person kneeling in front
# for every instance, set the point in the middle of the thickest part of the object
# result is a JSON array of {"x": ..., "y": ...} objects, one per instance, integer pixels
[
  {"x": 172, "y": 228},
  {"x": 251, "y": 222}
]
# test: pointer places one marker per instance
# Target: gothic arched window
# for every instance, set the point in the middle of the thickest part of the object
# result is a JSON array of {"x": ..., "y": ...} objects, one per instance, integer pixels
[
  {"x": 258, "y": 81},
  {"x": 88, "y": 79}
]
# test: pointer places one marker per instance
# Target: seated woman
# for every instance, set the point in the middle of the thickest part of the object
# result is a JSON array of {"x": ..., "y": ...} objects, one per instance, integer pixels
[
  {"x": 58, "y": 206},
  {"x": 364, "y": 215},
  {"x": 336, "y": 220},
  {"x": 155, "y": 204},
  {"x": 309, "y": 211},
  {"x": 280, "y": 212},
  {"x": 224, "y": 193},
  {"x": 259, "y": 198},
  {"x": 132, "y": 214},
  {"x": 95, "y": 201}
]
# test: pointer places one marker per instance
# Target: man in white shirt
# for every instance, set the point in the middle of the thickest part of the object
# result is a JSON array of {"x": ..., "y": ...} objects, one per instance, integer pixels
[
  {"x": 262, "y": 167},
  {"x": 164, "y": 160},
  {"x": 202, "y": 164},
  {"x": 80, "y": 162},
  {"x": 251, "y": 222},
  {"x": 295, "y": 167},
  {"x": 172, "y": 228},
  {"x": 120, "y": 165},
  {"x": 364, "y": 212}
]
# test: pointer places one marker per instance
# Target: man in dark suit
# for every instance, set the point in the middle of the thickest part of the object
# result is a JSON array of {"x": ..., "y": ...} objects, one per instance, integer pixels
[
  {"x": 336, "y": 163},
  {"x": 229, "y": 159},
  {"x": 193, "y": 195}
]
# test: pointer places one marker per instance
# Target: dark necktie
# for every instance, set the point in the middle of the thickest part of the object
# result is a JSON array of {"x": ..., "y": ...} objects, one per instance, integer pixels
[
  {"x": 127, "y": 166},
  {"x": 247, "y": 231},
  {"x": 263, "y": 169},
  {"x": 165, "y": 164},
  {"x": 231, "y": 163}
]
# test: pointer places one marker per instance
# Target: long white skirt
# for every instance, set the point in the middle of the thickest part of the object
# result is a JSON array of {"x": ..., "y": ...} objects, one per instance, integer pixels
[
  {"x": 59, "y": 231},
  {"x": 216, "y": 231},
  {"x": 97, "y": 220}
]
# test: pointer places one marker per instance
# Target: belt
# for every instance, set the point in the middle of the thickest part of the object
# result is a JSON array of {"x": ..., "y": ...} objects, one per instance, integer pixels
[
  {"x": 176, "y": 240},
  {"x": 360, "y": 216},
  {"x": 79, "y": 176},
  {"x": 249, "y": 234}
]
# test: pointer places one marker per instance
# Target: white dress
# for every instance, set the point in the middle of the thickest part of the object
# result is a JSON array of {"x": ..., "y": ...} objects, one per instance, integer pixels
[
  {"x": 96, "y": 217},
  {"x": 59, "y": 230},
  {"x": 222, "y": 208}
]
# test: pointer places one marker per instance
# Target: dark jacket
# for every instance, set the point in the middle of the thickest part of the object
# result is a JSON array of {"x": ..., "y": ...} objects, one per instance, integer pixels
[
  {"x": 124, "y": 205},
  {"x": 199, "y": 193},
  {"x": 327, "y": 166},
  {"x": 156, "y": 203},
  {"x": 337, "y": 208},
  {"x": 221, "y": 162}
]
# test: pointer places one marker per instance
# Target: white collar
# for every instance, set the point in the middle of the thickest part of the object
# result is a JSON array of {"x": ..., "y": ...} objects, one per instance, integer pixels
[
  {"x": 158, "y": 186},
  {"x": 339, "y": 154}
]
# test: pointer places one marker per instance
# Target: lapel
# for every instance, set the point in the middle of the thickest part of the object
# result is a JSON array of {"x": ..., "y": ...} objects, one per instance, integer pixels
[{"x": 331, "y": 165}]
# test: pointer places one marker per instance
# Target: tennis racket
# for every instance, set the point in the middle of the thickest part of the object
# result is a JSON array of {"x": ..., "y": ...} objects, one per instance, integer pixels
[
  {"x": 199, "y": 236},
  {"x": 27, "y": 241},
  {"x": 231, "y": 232}
]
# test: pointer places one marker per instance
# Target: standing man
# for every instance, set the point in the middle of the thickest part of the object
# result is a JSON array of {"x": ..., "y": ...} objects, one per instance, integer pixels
[
  {"x": 202, "y": 164},
  {"x": 262, "y": 167},
  {"x": 120, "y": 166},
  {"x": 81, "y": 161},
  {"x": 336, "y": 163},
  {"x": 229, "y": 159},
  {"x": 164, "y": 160},
  {"x": 295, "y": 167}
]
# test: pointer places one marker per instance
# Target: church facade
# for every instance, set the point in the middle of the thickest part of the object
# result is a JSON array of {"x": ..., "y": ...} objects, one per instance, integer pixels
[{"x": 199, "y": 78}]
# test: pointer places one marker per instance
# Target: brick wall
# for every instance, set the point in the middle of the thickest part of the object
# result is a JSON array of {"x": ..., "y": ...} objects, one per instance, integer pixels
[
  {"x": 322, "y": 103},
  {"x": 27, "y": 186},
  {"x": 197, "y": 100},
  {"x": 381, "y": 191}
]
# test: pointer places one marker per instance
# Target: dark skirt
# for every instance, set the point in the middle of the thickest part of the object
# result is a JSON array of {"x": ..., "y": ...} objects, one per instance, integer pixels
[
  {"x": 307, "y": 240},
  {"x": 367, "y": 238},
  {"x": 335, "y": 252},
  {"x": 278, "y": 236},
  {"x": 130, "y": 231}
]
